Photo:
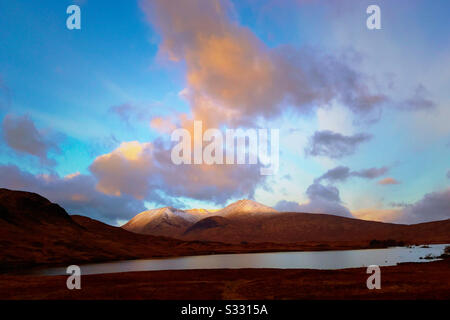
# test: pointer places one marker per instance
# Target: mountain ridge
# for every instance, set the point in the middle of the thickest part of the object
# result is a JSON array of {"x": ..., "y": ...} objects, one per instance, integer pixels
[
  {"x": 249, "y": 221},
  {"x": 176, "y": 221}
]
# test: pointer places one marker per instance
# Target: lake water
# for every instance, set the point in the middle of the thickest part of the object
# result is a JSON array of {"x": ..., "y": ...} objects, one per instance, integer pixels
[{"x": 339, "y": 259}]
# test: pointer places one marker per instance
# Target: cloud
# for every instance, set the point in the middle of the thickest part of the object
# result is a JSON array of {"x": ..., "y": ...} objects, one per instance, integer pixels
[
  {"x": 145, "y": 170},
  {"x": 334, "y": 145},
  {"x": 418, "y": 101},
  {"x": 319, "y": 191},
  {"x": 341, "y": 174},
  {"x": 287, "y": 206},
  {"x": 371, "y": 173},
  {"x": 322, "y": 199},
  {"x": 433, "y": 206},
  {"x": 76, "y": 193},
  {"x": 22, "y": 136},
  {"x": 337, "y": 174},
  {"x": 234, "y": 78},
  {"x": 448, "y": 174},
  {"x": 388, "y": 181},
  {"x": 325, "y": 198},
  {"x": 126, "y": 170}
]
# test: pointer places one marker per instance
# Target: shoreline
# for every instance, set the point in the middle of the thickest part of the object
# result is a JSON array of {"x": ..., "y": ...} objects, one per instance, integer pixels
[{"x": 36, "y": 267}]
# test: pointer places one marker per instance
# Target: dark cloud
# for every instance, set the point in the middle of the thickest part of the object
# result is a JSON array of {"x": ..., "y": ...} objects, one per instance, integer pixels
[
  {"x": 341, "y": 173},
  {"x": 419, "y": 100},
  {"x": 371, "y": 173},
  {"x": 322, "y": 199},
  {"x": 326, "y": 198},
  {"x": 337, "y": 174},
  {"x": 334, "y": 145},
  {"x": 287, "y": 206},
  {"x": 22, "y": 136},
  {"x": 433, "y": 206},
  {"x": 319, "y": 191},
  {"x": 76, "y": 193}
]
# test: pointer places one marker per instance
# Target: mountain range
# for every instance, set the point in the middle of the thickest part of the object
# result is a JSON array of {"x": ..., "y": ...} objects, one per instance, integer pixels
[
  {"x": 250, "y": 221},
  {"x": 169, "y": 221},
  {"x": 35, "y": 231}
]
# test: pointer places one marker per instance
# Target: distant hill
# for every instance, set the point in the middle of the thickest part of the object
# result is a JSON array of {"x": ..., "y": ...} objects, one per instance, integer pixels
[{"x": 297, "y": 227}]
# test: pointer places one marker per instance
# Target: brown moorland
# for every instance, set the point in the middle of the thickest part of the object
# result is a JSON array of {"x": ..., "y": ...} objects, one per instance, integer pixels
[
  {"x": 292, "y": 227},
  {"x": 405, "y": 281}
]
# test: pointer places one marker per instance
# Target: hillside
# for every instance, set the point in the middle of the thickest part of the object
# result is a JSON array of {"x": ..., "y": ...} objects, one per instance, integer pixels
[
  {"x": 35, "y": 231},
  {"x": 298, "y": 227}
]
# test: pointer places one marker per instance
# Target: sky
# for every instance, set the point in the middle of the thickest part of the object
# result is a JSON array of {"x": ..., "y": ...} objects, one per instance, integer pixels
[{"x": 86, "y": 115}]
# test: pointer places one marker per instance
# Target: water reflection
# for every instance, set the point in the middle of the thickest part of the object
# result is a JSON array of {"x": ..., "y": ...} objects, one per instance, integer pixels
[{"x": 340, "y": 259}]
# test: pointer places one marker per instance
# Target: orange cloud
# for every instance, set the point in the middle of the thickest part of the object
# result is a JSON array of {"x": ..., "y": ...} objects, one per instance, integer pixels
[
  {"x": 124, "y": 170},
  {"x": 234, "y": 78},
  {"x": 388, "y": 181},
  {"x": 145, "y": 170}
]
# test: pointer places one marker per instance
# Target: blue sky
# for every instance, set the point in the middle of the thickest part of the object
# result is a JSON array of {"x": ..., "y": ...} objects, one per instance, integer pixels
[{"x": 88, "y": 92}]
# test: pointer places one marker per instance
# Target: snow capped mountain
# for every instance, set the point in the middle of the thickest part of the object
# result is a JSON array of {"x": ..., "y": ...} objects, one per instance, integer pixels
[
  {"x": 173, "y": 222},
  {"x": 245, "y": 208},
  {"x": 201, "y": 213},
  {"x": 162, "y": 221}
]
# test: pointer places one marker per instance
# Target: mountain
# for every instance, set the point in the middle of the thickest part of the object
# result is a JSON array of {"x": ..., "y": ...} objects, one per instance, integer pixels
[
  {"x": 174, "y": 222},
  {"x": 245, "y": 208},
  {"x": 206, "y": 224},
  {"x": 250, "y": 221},
  {"x": 202, "y": 213},
  {"x": 163, "y": 221}
]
